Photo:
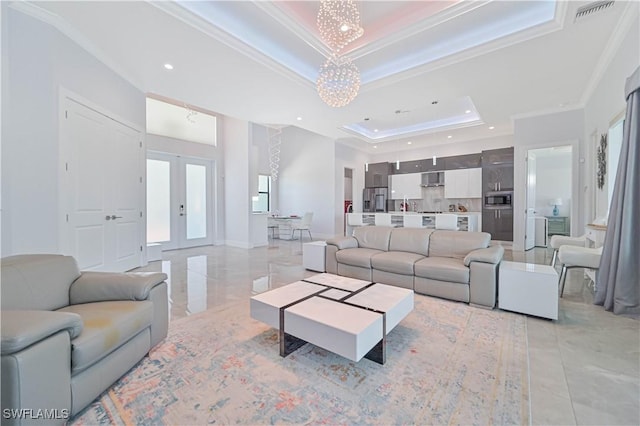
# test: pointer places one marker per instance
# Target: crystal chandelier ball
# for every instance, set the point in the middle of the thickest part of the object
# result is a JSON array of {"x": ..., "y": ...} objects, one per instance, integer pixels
[
  {"x": 338, "y": 82},
  {"x": 339, "y": 23}
]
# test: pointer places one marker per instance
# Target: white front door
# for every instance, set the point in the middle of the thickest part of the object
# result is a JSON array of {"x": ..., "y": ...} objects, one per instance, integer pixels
[
  {"x": 101, "y": 190},
  {"x": 179, "y": 201}
]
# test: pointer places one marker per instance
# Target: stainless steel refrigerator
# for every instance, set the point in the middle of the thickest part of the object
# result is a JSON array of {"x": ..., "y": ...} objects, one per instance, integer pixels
[{"x": 374, "y": 199}]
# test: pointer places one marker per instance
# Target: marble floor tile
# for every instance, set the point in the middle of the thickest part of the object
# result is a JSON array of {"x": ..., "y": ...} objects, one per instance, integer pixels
[{"x": 584, "y": 367}]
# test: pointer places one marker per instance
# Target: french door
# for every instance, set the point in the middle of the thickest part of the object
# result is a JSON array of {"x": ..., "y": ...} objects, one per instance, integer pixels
[{"x": 179, "y": 201}]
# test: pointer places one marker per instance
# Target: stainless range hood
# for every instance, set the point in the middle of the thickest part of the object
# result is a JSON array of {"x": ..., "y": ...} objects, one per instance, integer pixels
[{"x": 432, "y": 179}]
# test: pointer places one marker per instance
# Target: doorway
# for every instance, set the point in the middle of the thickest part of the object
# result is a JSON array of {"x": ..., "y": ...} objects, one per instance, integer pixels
[
  {"x": 549, "y": 194},
  {"x": 347, "y": 197},
  {"x": 179, "y": 201}
]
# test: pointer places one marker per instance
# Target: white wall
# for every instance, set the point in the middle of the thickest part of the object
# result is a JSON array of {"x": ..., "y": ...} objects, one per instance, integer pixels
[
  {"x": 347, "y": 157},
  {"x": 553, "y": 180},
  {"x": 545, "y": 131},
  {"x": 37, "y": 62},
  {"x": 606, "y": 102},
  {"x": 237, "y": 207},
  {"x": 307, "y": 181}
]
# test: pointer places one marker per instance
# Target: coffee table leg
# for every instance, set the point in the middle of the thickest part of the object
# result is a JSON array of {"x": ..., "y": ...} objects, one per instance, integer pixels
[
  {"x": 379, "y": 352},
  {"x": 288, "y": 343}
]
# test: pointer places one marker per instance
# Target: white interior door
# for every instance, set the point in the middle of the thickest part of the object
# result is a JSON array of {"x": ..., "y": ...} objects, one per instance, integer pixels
[
  {"x": 179, "y": 201},
  {"x": 101, "y": 190},
  {"x": 530, "y": 213}
]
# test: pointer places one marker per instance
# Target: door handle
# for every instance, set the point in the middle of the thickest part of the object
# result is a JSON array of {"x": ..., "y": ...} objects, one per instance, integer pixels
[
  {"x": 181, "y": 209},
  {"x": 114, "y": 217}
]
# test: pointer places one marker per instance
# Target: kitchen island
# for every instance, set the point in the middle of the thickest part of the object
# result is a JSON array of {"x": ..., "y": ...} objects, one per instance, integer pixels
[{"x": 467, "y": 221}]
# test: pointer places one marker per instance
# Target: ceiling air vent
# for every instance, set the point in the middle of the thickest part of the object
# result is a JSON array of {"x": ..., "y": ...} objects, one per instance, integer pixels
[{"x": 592, "y": 8}]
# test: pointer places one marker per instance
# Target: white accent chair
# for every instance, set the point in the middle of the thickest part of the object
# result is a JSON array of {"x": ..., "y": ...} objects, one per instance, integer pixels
[
  {"x": 304, "y": 225},
  {"x": 558, "y": 241},
  {"x": 447, "y": 221},
  {"x": 577, "y": 257}
]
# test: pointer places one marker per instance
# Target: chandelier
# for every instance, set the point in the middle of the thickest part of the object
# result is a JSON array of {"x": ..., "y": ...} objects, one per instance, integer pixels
[
  {"x": 339, "y": 23},
  {"x": 338, "y": 82},
  {"x": 339, "y": 79}
]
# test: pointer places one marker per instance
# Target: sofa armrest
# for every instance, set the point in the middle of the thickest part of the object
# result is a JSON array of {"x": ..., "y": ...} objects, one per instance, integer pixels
[
  {"x": 491, "y": 254},
  {"x": 343, "y": 242},
  {"x": 21, "y": 329},
  {"x": 104, "y": 286}
]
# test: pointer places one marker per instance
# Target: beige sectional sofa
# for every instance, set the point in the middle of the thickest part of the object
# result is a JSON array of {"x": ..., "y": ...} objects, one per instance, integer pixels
[
  {"x": 454, "y": 265},
  {"x": 69, "y": 335}
]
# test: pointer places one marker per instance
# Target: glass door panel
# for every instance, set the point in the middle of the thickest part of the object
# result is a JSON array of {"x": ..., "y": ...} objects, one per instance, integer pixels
[
  {"x": 158, "y": 201},
  {"x": 196, "y": 195}
]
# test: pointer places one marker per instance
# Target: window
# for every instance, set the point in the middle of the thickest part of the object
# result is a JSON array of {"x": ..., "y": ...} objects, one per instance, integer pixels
[{"x": 262, "y": 202}]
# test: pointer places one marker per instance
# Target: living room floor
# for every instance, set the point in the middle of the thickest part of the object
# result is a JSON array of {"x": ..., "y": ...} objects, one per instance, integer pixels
[{"x": 584, "y": 367}]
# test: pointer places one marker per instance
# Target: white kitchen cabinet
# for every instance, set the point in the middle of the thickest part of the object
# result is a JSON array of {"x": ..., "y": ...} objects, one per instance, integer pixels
[
  {"x": 463, "y": 183},
  {"x": 406, "y": 186}
]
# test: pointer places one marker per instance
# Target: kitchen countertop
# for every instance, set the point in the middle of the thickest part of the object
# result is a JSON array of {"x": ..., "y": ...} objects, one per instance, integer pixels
[{"x": 424, "y": 214}]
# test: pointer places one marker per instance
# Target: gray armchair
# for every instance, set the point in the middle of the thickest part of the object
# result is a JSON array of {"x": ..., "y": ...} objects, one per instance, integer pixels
[{"x": 69, "y": 335}]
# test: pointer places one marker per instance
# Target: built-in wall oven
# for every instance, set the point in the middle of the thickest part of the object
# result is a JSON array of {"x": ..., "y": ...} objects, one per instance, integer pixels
[
  {"x": 498, "y": 200},
  {"x": 374, "y": 200}
]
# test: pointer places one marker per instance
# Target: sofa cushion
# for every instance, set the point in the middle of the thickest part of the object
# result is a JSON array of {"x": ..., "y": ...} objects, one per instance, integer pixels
[
  {"x": 107, "y": 325},
  {"x": 373, "y": 237},
  {"x": 412, "y": 240},
  {"x": 443, "y": 269},
  {"x": 357, "y": 256},
  {"x": 456, "y": 244},
  {"x": 37, "y": 281},
  {"x": 398, "y": 262}
]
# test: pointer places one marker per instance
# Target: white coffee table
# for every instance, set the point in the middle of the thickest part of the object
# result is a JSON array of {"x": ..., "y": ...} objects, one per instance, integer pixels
[{"x": 346, "y": 316}]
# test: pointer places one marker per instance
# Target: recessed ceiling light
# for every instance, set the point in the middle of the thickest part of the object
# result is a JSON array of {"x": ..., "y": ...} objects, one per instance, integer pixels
[
  {"x": 299, "y": 118},
  {"x": 168, "y": 66},
  {"x": 375, "y": 146},
  {"x": 468, "y": 111},
  {"x": 491, "y": 127},
  {"x": 375, "y": 130},
  {"x": 409, "y": 143},
  {"x": 449, "y": 137}
]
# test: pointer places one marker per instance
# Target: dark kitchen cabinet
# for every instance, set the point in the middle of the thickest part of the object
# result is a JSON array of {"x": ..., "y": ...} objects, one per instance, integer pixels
[
  {"x": 496, "y": 157},
  {"x": 377, "y": 176},
  {"x": 497, "y": 170},
  {"x": 498, "y": 223},
  {"x": 468, "y": 161},
  {"x": 497, "y": 178},
  {"x": 414, "y": 166}
]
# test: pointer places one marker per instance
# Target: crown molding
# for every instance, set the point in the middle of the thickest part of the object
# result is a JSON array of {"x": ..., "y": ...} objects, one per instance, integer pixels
[
  {"x": 546, "y": 111},
  {"x": 300, "y": 31},
  {"x": 72, "y": 33},
  {"x": 229, "y": 40},
  {"x": 630, "y": 14},
  {"x": 484, "y": 49}
]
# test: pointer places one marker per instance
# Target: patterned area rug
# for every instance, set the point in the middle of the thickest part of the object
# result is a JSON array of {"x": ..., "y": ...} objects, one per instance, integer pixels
[{"x": 447, "y": 363}]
